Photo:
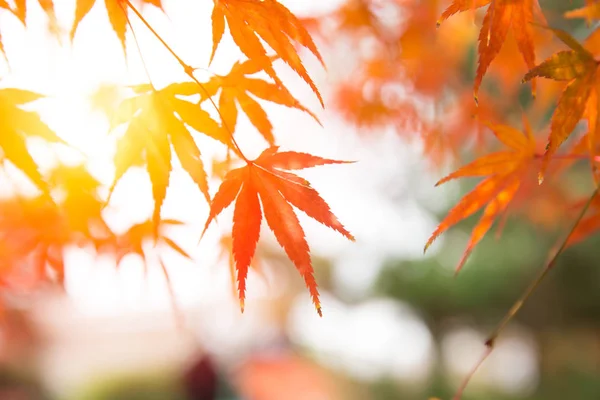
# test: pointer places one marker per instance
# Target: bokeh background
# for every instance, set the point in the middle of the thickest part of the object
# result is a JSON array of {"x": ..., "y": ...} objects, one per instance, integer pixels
[{"x": 397, "y": 324}]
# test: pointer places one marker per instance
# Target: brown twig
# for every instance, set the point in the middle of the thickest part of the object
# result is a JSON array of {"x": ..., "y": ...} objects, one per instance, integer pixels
[{"x": 466, "y": 381}]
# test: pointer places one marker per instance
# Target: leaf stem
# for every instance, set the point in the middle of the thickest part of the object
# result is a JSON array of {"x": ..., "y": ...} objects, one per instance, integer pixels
[
  {"x": 189, "y": 71},
  {"x": 491, "y": 341},
  {"x": 137, "y": 45},
  {"x": 177, "y": 312},
  {"x": 466, "y": 381}
]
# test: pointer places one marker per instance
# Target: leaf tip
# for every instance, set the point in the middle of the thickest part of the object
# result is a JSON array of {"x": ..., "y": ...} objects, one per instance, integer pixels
[
  {"x": 462, "y": 261},
  {"x": 542, "y": 173},
  {"x": 540, "y": 177},
  {"x": 72, "y": 36},
  {"x": 206, "y": 225},
  {"x": 427, "y": 246}
]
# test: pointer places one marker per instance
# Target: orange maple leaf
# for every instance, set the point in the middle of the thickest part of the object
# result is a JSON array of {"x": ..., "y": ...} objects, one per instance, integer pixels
[
  {"x": 238, "y": 87},
  {"x": 36, "y": 230},
  {"x": 590, "y": 11},
  {"x": 132, "y": 241},
  {"x": 578, "y": 67},
  {"x": 501, "y": 16},
  {"x": 458, "y": 124},
  {"x": 226, "y": 244},
  {"x": 504, "y": 171},
  {"x": 20, "y": 9},
  {"x": 117, "y": 15},
  {"x": 423, "y": 50},
  {"x": 278, "y": 191},
  {"x": 274, "y": 23},
  {"x": 80, "y": 205},
  {"x": 588, "y": 225}
]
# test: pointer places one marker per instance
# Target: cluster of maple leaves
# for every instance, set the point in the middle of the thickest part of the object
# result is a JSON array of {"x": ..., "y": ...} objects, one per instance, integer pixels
[
  {"x": 416, "y": 63},
  {"x": 427, "y": 57},
  {"x": 160, "y": 124}
]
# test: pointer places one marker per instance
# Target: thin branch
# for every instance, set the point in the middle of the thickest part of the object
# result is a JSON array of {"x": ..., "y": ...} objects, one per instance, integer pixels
[
  {"x": 466, "y": 381},
  {"x": 491, "y": 341},
  {"x": 177, "y": 313},
  {"x": 137, "y": 44},
  {"x": 189, "y": 71}
]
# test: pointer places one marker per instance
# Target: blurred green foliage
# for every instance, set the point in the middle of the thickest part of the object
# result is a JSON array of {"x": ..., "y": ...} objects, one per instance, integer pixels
[{"x": 156, "y": 386}]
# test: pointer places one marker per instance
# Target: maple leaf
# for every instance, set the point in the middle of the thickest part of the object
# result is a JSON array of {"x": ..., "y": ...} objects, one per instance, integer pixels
[
  {"x": 588, "y": 225},
  {"x": 220, "y": 168},
  {"x": 591, "y": 11},
  {"x": 238, "y": 88},
  {"x": 578, "y": 67},
  {"x": 80, "y": 204},
  {"x": 153, "y": 127},
  {"x": 17, "y": 125},
  {"x": 274, "y": 23},
  {"x": 35, "y": 231},
  {"x": 356, "y": 15},
  {"x": 38, "y": 229},
  {"x": 422, "y": 51},
  {"x": 503, "y": 170},
  {"x": 264, "y": 181},
  {"x": 458, "y": 122},
  {"x": 20, "y": 10},
  {"x": 117, "y": 15},
  {"x": 226, "y": 244},
  {"x": 132, "y": 241},
  {"x": 170, "y": 97},
  {"x": 501, "y": 16}
]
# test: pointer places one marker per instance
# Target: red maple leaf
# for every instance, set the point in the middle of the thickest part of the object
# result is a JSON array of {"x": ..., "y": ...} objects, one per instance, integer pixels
[
  {"x": 501, "y": 16},
  {"x": 264, "y": 181},
  {"x": 504, "y": 171},
  {"x": 275, "y": 24}
]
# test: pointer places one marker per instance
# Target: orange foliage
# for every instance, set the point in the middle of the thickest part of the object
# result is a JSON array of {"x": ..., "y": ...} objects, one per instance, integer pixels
[
  {"x": 416, "y": 67},
  {"x": 263, "y": 378},
  {"x": 504, "y": 170},
  {"x": 277, "y": 190},
  {"x": 116, "y": 10},
  {"x": 501, "y": 17}
]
